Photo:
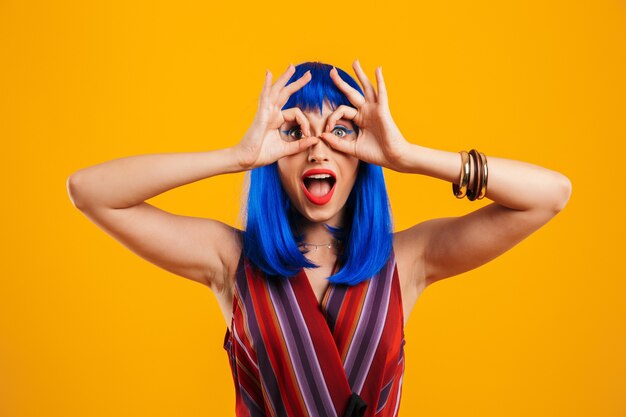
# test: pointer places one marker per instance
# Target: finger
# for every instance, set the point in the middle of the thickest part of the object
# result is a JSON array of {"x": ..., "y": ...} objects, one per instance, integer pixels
[
  {"x": 286, "y": 92},
  {"x": 370, "y": 94},
  {"x": 347, "y": 147},
  {"x": 300, "y": 145},
  {"x": 282, "y": 80},
  {"x": 353, "y": 95},
  {"x": 295, "y": 114},
  {"x": 267, "y": 84},
  {"x": 380, "y": 84},
  {"x": 342, "y": 112}
]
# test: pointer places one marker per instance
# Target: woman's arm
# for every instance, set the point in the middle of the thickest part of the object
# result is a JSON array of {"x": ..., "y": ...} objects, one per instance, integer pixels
[
  {"x": 514, "y": 184},
  {"x": 112, "y": 194},
  {"x": 126, "y": 182},
  {"x": 525, "y": 196}
]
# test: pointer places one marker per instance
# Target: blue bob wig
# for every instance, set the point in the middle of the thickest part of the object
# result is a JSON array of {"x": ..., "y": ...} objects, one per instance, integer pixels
[{"x": 269, "y": 237}]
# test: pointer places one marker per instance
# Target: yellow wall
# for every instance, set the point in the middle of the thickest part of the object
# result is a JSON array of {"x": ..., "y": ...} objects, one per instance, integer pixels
[{"x": 87, "y": 328}]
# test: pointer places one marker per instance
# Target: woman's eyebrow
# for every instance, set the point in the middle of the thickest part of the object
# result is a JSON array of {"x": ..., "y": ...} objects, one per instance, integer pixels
[
  {"x": 348, "y": 122},
  {"x": 291, "y": 123}
]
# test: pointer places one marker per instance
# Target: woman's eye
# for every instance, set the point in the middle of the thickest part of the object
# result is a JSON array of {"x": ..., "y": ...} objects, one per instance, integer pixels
[
  {"x": 341, "y": 131},
  {"x": 295, "y": 132}
]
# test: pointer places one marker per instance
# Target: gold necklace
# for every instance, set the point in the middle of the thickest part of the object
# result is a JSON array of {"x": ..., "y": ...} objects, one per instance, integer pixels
[{"x": 328, "y": 245}]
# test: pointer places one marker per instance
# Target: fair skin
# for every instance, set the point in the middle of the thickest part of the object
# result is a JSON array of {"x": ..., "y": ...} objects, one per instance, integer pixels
[
  {"x": 320, "y": 155},
  {"x": 112, "y": 194},
  {"x": 343, "y": 165}
]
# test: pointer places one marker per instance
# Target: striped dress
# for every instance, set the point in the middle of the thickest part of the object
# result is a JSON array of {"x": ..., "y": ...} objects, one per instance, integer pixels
[{"x": 289, "y": 356}]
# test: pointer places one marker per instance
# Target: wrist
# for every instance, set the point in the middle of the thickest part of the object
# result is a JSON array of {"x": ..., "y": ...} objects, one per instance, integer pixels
[
  {"x": 241, "y": 159},
  {"x": 406, "y": 160}
]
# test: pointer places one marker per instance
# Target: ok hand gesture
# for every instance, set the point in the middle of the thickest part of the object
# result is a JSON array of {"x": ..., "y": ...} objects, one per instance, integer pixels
[
  {"x": 379, "y": 140},
  {"x": 262, "y": 144}
]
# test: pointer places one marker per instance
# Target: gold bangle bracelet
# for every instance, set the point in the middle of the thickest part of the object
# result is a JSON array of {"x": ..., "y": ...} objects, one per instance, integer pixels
[
  {"x": 460, "y": 190},
  {"x": 476, "y": 180},
  {"x": 485, "y": 173}
]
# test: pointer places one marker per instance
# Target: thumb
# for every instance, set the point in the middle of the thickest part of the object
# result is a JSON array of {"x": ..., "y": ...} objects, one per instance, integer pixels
[
  {"x": 300, "y": 145},
  {"x": 339, "y": 144}
]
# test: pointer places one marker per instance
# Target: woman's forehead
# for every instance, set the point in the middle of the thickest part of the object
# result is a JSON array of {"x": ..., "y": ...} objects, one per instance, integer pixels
[
  {"x": 314, "y": 116},
  {"x": 314, "y": 113}
]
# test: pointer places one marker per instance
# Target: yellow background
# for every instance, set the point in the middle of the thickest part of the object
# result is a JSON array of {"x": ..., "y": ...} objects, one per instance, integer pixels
[{"x": 87, "y": 328}]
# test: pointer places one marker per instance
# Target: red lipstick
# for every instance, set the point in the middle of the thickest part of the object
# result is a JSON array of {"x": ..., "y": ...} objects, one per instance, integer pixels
[{"x": 319, "y": 200}]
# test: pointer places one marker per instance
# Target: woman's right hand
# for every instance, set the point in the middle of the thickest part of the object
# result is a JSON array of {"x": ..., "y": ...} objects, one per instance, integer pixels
[{"x": 262, "y": 144}]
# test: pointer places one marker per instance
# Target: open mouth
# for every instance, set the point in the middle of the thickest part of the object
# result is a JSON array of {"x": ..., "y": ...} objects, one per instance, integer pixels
[{"x": 319, "y": 185}]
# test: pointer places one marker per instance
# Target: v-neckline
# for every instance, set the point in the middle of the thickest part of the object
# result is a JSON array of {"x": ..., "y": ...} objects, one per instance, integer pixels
[
  {"x": 323, "y": 337},
  {"x": 321, "y": 304}
]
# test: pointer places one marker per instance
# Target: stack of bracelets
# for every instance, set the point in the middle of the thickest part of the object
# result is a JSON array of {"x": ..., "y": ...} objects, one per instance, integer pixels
[{"x": 478, "y": 165}]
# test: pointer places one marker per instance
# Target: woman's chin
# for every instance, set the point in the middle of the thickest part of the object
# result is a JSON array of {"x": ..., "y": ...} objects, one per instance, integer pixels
[
  {"x": 329, "y": 213},
  {"x": 318, "y": 214},
  {"x": 319, "y": 219}
]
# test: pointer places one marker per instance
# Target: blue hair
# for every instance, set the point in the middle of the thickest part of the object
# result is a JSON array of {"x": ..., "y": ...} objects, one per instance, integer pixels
[{"x": 270, "y": 240}]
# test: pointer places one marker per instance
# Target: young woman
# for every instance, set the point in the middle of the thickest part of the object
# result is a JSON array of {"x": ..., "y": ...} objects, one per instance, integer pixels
[{"x": 316, "y": 290}]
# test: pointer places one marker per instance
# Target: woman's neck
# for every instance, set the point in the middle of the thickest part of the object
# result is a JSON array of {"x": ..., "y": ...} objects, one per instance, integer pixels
[
  {"x": 317, "y": 235},
  {"x": 316, "y": 240}
]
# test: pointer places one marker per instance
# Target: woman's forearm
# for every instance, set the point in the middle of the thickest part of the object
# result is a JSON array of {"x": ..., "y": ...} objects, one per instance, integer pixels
[
  {"x": 128, "y": 181},
  {"x": 514, "y": 184}
]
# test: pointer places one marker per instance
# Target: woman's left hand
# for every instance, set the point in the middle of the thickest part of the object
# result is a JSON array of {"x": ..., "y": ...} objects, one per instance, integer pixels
[{"x": 379, "y": 140}]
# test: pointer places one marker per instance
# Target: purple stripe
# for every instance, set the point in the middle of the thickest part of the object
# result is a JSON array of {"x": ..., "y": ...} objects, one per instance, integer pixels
[
  {"x": 370, "y": 327},
  {"x": 302, "y": 356},
  {"x": 335, "y": 301},
  {"x": 384, "y": 395},
  {"x": 243, "y": 347},
  {"x": 267, "y": 376},
  {"x": 301, "y": 352},
  {"x": 254, "y": 408},
  {"x": 395, "y": 412}
]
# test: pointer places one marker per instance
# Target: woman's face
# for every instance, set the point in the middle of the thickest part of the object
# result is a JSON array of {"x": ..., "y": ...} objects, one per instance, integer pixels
[{"x": 319, "y": 199}]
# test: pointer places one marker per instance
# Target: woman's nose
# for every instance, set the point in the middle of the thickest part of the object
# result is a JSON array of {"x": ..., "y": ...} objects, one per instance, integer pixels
[{"x": 319, "y": 152}]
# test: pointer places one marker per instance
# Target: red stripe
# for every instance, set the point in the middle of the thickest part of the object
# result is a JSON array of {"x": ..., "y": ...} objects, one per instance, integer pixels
[
  {"x": 240, "y": 407},
  {"x": 246, "y": 339},
  {"x": 349, "y": 317},
  {"x": 393, "y": 399},
  {"x": 323, "y": 343},
  {"x": 274, "y": 343},
  {"x": 330, "y": 349},
  {"x": 394, "y": 327},
  {"x": 248, "y": 374},
  {"x": 249, "y": 380},
  {"x": 387, "y": 352}
]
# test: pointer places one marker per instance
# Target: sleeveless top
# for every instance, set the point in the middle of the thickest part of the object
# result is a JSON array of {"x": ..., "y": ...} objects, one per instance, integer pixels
[{"x": 289, "y": 356}]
